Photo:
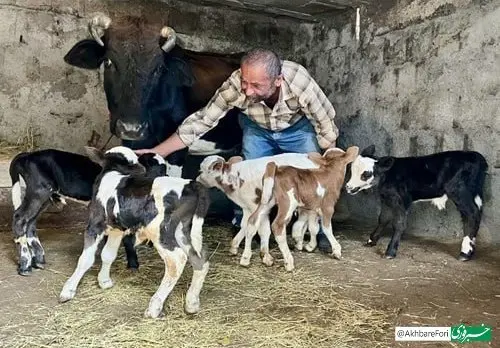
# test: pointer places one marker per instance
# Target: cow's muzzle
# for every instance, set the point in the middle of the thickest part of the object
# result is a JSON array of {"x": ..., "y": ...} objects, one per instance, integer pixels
[{"x": 131, "y": 131}]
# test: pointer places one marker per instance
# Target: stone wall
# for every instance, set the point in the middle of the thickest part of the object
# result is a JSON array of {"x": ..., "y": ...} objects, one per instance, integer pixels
[
  {"x": 424, "y": 77},
  {"x": 63, "y": 106}
]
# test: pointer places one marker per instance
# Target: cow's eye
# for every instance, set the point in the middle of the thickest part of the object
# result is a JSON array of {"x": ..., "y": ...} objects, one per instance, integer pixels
[{"x": 107, "y": 63}]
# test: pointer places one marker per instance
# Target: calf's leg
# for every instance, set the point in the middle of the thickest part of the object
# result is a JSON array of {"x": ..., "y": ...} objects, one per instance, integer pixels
[
  {"x": 254, "y": 222},
  {"x": 265, "y": 233},
  {"x": 313, "y": 227},
  {"x": 200, "y": 270},
  {"x": 235, "y": 243},
  {"x": 384, "y": 218},
  {"x": 108, "y": 255},
  {"x": 399, "y": 225},
  {"x": 38, "y": 259},
  {"x": 174, "y": 260},
  {"x": 129, "y": 245},
  {"x": 85, "y": 261},
  {"x": 326, "y": 224},
  {"x": 470, "y": 213},
  {"x": 298, "y": 230},
  {"x": 23, "y": 224}
]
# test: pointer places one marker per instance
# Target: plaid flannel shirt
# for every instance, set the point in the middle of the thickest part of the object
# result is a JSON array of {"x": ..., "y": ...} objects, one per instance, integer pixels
[{"x": 300, "y": 95}]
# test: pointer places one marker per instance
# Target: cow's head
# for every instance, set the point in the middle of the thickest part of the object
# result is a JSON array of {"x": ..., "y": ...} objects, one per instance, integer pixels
[
  {"x": 367, "y": 169},
  {"x": 137, "y": 74}
]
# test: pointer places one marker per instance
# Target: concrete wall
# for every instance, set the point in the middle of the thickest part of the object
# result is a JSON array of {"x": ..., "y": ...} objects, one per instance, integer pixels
[
  {"x": 65, "y": 106},
  {"x": 424, "y": 77}
]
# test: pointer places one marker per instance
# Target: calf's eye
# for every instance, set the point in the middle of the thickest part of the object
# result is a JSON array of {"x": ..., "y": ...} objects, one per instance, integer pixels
[{"x": 366, "y": 175}]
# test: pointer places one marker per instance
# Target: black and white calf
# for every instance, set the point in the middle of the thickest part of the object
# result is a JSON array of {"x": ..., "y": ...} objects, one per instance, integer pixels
[
  {"x": 455, "y": 175},
  {"x": 167, "y": 211},
  {"x": 51, "y": 176}
]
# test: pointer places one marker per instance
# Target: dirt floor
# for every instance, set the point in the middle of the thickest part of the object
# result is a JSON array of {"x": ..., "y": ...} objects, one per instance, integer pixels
[{"x": 424, "y": 285}]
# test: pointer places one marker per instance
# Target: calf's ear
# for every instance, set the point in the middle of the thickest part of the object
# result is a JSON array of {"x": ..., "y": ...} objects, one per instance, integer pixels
[
  {"x": 368, "y": 151},
  {"x": 235, "y": 159},
  {"x": 385, "y": 163},
  {"x": 95, "y": 155},
  {"x": 217, "y": 165}
]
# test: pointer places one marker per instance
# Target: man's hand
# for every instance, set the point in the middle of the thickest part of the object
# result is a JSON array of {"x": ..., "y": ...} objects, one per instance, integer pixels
[
  {"x": 171, "y": 144},
  {"x": 143, "y": 151}
]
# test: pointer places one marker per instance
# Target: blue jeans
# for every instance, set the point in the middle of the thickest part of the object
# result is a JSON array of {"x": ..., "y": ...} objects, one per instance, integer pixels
[{"x": 259, "y": 142}]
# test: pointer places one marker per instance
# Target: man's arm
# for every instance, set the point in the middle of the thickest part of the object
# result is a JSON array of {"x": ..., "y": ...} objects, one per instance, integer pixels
[
  {"x": 200, "y": 122},
  {"x": 320, "y": 110}
]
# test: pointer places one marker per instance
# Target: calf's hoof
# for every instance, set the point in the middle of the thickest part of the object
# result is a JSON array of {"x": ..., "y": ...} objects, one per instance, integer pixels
[
  {"x": 390, "y": 256},
  {"x": 133, "y": 267},
  {"x": 105, "y": 283},
  {"x": 192, "y": 307},
  {"x": 24, "y": 271},
  {"x": 66, "y": 295},
  {"x": 310, "y": 247},
  {"x": 245, "y": 261},
  {"x": 267, "y": 260},
  {"x": 289, "y": 266},
  {"x": 40, "y": 263},
  {"x": 233, "y": 251},
  {"x": 370, "y": 243},
  {"x": 153, "y": 313},
  {"x": 337, "y": 254},
  {"x": 464, "y": 257}
]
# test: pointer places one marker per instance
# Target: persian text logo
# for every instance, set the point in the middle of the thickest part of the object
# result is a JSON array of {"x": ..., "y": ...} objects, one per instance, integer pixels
[{"x": 463, "y": 334}]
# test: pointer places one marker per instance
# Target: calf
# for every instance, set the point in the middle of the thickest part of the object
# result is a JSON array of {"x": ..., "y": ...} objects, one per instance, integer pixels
[
  {"x": 457, "y": 175},
  {"x": 241, "y": 181},
  {"x": 51, "y": 176},
  {"x": 167, "y": 211},
  {"x": 313, "y": 190}
]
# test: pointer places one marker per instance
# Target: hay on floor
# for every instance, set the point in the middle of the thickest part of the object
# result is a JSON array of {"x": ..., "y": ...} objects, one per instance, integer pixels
[{"x": 240, "y": 307}]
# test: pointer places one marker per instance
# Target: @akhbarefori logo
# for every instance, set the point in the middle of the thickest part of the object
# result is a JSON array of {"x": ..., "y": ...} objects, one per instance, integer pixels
[
  {"x": 463, "y": 334},
  {"x": 456, "y": 333}
]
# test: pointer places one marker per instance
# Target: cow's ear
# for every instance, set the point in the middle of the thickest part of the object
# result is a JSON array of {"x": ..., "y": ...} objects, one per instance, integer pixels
[
  {"x": 86, "y": 54},
  {"x": 369, "y": 151},
  {"x": 95, "y": 155},
  {"x": 385, "y": 163}
]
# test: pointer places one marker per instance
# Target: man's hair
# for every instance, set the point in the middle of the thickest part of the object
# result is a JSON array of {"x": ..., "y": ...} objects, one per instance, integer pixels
[{"x": 267, "y": 58}]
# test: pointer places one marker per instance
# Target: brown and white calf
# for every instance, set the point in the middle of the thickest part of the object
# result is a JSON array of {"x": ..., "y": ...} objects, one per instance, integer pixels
[
  {"x": 167, "y": 211},
  {"x": 241, "y": 181},
  {"x": 313, "y": 190}
]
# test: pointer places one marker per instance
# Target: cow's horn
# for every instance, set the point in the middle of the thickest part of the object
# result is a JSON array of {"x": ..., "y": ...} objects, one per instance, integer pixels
[
  {"x": 97, "y": 25},
  {"x": 168, "y": 38}
]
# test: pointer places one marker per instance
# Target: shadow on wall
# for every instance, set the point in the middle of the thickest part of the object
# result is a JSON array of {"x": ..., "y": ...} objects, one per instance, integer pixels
[{"x": 362, "y": 131}]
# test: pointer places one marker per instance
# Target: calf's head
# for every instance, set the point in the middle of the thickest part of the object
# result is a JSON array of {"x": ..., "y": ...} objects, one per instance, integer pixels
[
  {"x": 119, "y": 158},
  {"x": 155, "y": 164},
  {"x": 215, "y": 171},
  {"x": 137, "y": 76},
  {"x": 367, "y": 170}
]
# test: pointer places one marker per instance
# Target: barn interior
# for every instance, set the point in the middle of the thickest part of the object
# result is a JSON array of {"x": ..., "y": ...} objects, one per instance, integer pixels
[{"x": 413, "y": 77}]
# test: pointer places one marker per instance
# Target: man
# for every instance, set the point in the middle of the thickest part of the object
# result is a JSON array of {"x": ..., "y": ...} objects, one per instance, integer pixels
[{"x": 282, "y": 110}]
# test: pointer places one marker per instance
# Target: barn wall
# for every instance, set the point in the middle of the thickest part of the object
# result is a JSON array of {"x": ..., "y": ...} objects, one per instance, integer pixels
[
  {"x": 424, "y": 77},
  {"x": 64, "y": 106}
]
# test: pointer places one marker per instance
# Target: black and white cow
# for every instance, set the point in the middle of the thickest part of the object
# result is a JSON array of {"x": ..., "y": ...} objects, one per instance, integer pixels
[
  {"x": 52, "y": 175},
  {"x": 167, "y": 211},
  {"x": 455, "y": 175}
]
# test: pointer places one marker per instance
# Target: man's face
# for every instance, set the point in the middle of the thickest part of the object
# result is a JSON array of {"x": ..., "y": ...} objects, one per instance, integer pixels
[{"x": 256, "y": 84}]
